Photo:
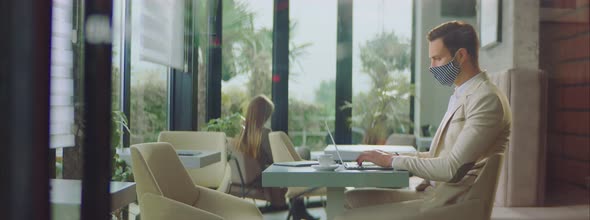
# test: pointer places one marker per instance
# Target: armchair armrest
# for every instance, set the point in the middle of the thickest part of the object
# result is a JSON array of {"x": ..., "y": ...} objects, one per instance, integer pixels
[
  {"x": 217, "y": 202},
  {"x": 156, "y": 207}
]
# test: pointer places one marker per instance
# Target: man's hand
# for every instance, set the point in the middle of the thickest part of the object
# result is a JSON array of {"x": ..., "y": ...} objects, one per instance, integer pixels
[{"x": 378, "y": 157}]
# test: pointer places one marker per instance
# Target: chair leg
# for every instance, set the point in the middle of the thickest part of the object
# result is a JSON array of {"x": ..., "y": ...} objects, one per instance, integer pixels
[{"x": 289, "y": 214}]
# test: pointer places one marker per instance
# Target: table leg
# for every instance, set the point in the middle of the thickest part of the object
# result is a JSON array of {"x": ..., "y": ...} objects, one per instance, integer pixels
[{"x": 335, "y": 202}]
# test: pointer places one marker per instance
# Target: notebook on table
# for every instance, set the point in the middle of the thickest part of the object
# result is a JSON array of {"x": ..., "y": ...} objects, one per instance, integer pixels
[
  {"x": 353, "y": 165},
  {"x": 302, "y": 163}
]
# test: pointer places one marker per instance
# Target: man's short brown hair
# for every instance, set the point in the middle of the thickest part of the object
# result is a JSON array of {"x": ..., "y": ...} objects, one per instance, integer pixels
[{"x": 456, "y": 35}]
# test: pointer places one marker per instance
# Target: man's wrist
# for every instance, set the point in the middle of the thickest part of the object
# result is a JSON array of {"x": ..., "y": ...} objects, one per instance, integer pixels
[{"x": 393, "y": 159}]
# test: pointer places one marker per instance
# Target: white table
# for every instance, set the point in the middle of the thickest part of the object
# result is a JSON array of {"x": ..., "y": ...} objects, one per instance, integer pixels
[
  {"x": 196, "y": 159},
  {"x": 351, "y": 152},
  {"x": 66, "y": 196},
  {"x": 282, "y": 176}
]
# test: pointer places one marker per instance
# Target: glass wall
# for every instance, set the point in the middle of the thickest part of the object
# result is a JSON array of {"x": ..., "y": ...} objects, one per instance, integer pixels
[
  {"x": 382, "y": 33},
  {"x": 247, "y": 53},
  {"x": 312, "y": 71},
  {"x": 149, "y": 86}
]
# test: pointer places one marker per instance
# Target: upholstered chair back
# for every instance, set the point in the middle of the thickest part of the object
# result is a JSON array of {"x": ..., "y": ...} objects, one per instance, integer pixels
[
  {"x": 158, "y": 170},
  {"x": 401, "y": 139},
  {"x": 526, "y": 90},
  {"x": 282, "y": 147},
  {"x": 217, "y": 175}
]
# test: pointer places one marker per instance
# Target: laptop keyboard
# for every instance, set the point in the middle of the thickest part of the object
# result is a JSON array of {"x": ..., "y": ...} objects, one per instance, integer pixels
[{"x": 364, "y": 166}]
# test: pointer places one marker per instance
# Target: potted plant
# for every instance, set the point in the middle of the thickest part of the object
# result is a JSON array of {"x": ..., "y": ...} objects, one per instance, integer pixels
[
  {"x": 231, "y": 125},
  {"x": 121, "y": 171}
]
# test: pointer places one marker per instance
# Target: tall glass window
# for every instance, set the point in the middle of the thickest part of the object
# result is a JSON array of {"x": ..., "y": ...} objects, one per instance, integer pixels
[
  {"x": 247, "y": 53},
  {"x": 382, "y": 33},
  {"x": 312, "y": 71},
  {"x": 149, "y": 86}
]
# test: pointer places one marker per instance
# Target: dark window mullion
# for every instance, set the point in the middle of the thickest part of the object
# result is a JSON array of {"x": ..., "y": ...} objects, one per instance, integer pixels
[
  {"x": 280, "y": 66},
  {"x": 181, "y": 86},
  {"x": 343, "y": 134},
  {"x": 214, "y": 59}
]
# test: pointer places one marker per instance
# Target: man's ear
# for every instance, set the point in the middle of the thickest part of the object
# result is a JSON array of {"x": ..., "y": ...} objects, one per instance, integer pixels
[{"x": 462, "y": 55}]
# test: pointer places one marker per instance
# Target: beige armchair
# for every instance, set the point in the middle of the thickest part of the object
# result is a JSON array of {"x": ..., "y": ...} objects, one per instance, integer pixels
[
  {"x": 218, "y": 174},
  {"x": 283, "y": 151},
  {"x": 165, "y": 189},
  {"x": 475, "y": 203}
]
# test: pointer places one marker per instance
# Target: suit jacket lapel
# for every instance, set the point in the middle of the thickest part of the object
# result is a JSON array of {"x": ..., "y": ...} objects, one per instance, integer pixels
[
  {"x": 443, "y": 126},
  {"x": 434, "y": 147}
]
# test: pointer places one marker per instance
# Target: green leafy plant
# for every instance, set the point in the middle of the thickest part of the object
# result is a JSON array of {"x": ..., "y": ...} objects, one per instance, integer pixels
[
  {"x": 121, "y": 171},
  {"x": 231, "y": 125}
]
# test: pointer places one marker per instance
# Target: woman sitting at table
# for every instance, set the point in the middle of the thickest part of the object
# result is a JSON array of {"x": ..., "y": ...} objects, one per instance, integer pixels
[{"x": 254, "y": 143}]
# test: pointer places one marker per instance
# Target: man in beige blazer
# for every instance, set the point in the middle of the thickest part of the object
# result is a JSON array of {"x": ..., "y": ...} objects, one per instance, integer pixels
[{"x": 475, "y": 126}]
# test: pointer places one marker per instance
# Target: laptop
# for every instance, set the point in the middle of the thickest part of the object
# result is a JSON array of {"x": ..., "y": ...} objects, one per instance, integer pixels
[{"x": 353, "y": 165}]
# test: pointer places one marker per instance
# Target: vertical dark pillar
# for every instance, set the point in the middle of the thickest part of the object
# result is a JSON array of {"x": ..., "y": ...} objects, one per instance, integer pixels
[
  {"x": 126, "y": 73},
  {"x": 182, "y": 92},
  {"x": 97, "y": 103},
  {"x": 25, "y": 43},
  {"x": 280, "y": 66},
  {"x": 214, "y": 60},
  {"x": 343, "y": 133}
]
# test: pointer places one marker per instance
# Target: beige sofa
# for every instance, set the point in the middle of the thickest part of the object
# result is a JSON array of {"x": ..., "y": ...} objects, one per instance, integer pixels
[{"x": 522, "y": 179}]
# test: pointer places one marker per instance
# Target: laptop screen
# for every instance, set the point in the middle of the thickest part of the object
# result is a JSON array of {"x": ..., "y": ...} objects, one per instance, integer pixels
[
  {"x": 353, "y": 165},
  {"x": 333, "y": 142}
]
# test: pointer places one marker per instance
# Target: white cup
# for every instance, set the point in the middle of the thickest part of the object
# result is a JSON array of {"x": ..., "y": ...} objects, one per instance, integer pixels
[{"x": 326, "y": 160}]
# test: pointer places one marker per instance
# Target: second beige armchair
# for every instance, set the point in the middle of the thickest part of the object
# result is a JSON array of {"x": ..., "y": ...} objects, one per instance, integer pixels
[
  {"x": 218, "y": 174},
  {"x": 283, "y": 151}
]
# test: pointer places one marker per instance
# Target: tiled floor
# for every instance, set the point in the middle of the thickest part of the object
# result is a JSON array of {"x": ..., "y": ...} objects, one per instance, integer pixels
[
  {"x": 571, "y": 211},
  {"x": 565, "y": 212},
  {"x": 579, "y": 212}
]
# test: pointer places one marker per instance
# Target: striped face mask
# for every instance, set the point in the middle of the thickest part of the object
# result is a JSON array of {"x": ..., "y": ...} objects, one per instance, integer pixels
[{"x": 446, "y": 74}]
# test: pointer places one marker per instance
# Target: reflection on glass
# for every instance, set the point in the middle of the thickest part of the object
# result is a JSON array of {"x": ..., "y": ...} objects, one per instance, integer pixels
[
  {"x": 149, "y": 84},
  {"x": 312, "y": 74},
  {"x": 381, "y": 68}
]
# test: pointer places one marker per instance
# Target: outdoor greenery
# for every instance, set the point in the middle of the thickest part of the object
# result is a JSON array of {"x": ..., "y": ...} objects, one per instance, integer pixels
[
  {"x": 386, "y": 60},
  {"x": 148, "y": 107},
  {"x": 247, "y": 53},
  {"x": 231, "y": 125}
]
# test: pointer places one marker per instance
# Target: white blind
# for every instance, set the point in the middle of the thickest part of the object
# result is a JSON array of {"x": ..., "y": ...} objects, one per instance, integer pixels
[
  {"x": 162, "y": 32},
  {"x": 62, "y": 82}
]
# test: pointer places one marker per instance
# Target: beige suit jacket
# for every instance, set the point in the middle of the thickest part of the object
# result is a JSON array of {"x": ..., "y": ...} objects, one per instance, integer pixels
[{"x": 477, "y": 127}]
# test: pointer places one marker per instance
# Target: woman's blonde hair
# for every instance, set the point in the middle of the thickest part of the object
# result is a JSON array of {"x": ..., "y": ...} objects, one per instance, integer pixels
[{"x": 259, "y": 110}]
